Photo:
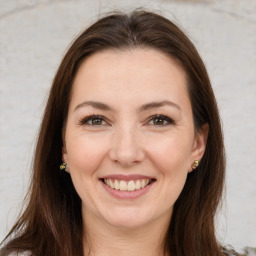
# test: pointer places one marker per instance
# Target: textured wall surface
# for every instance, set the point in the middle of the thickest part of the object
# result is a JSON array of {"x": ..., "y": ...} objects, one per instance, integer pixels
[{"x": 34, "y": 35}]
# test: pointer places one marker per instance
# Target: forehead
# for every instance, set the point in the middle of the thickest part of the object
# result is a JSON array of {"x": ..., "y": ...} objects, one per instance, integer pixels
[{"x": 132, "y": 75}]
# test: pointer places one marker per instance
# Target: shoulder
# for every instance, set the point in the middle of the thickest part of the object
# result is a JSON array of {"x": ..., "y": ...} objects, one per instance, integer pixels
[
  {"x": 229, "y": 251},
  {"x": 20, "y": 254}
]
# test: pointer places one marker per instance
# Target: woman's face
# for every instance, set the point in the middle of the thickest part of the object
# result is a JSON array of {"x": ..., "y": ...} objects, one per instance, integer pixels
[{"x": 129, "y": 140}]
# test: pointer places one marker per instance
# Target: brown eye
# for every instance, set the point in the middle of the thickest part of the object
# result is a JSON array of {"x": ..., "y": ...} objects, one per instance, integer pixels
[
  {"x": 96, "y": 121},
  {"x": 93, "y": 120},
  {"x": 158, "y": 121},
  {"x": 161, "y": 120}
]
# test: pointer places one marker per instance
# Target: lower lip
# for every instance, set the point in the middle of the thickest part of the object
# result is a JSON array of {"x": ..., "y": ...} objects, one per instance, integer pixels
[{"x": 127, "y": 194}]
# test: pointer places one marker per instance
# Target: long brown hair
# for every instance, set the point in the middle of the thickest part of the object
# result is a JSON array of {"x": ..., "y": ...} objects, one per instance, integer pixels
[{"x": 52, "y": 223}]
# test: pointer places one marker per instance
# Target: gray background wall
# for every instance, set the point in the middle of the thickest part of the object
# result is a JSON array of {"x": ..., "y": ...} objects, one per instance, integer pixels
[{"x": 34, "y": 35}]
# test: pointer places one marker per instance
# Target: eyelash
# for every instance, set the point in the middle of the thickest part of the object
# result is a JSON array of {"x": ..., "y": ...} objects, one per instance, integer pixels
[{"x": 84, "y": 120}]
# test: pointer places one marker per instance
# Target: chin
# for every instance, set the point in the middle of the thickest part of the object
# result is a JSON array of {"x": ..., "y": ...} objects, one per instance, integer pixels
[{"x": 127, "y": 219}]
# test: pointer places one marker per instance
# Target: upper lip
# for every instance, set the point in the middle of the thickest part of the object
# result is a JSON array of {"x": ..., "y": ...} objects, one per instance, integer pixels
[{"x": 127, "y": 177}]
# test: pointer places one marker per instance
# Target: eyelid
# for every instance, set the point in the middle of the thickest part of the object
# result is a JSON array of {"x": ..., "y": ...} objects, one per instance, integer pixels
[
  {"x": 163, "y": 117},
  {"x": 84, "y": 120}
]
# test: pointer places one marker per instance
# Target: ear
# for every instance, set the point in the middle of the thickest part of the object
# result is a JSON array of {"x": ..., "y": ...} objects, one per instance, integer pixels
[
  {"x": 64, "y": 149},
  {"x": 65, "y": 156},
  {"x": 199, "y": 145},
  {"x": 64, "y": 152}
]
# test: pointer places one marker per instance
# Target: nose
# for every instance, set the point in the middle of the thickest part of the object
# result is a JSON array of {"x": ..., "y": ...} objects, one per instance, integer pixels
[{"x": 125, "y": 148}]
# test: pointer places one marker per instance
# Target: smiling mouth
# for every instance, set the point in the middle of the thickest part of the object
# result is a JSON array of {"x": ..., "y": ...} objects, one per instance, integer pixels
[{"x": 124, "y": 185}]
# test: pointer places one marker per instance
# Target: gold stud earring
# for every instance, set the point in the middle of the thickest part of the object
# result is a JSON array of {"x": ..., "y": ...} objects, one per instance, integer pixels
[
  {"x": 63, "y": 166},
  {"x": 195, "y": 165}
]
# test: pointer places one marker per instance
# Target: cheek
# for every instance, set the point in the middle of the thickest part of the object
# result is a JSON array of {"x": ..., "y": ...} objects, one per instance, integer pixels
[
  {"x": 85, "y": 153},
  {"x": 172, "y": 155}
]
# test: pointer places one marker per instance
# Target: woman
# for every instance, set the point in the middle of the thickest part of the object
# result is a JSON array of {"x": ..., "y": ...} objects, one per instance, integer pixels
[{"x": 132, "y": 117}]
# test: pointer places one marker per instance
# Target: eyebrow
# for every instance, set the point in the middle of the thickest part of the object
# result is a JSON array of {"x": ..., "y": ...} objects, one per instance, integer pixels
[{"x": 147, "y": 106}]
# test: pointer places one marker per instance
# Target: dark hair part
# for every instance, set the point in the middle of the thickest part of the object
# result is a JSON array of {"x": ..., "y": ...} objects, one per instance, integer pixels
[{"x": 52, "y": 223}]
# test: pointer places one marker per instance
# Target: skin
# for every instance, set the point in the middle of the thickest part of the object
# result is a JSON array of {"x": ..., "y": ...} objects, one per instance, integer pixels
[{"x": 127, "y": 142}]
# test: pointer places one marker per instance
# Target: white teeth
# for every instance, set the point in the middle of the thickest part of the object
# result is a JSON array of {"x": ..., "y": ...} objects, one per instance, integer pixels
[
  {"x": 127, "y": 185},
  {"x": 116, "y": 183},
  {"x": 111, "y": 184},
  {"x": 137, "y": 184},
  {"x": 131, "y": 185},
  {"x": 123, "y": 185}
]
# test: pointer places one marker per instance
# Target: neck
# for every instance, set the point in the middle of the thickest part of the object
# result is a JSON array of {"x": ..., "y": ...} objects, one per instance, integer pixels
[{"x": 101, "y": 239}]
